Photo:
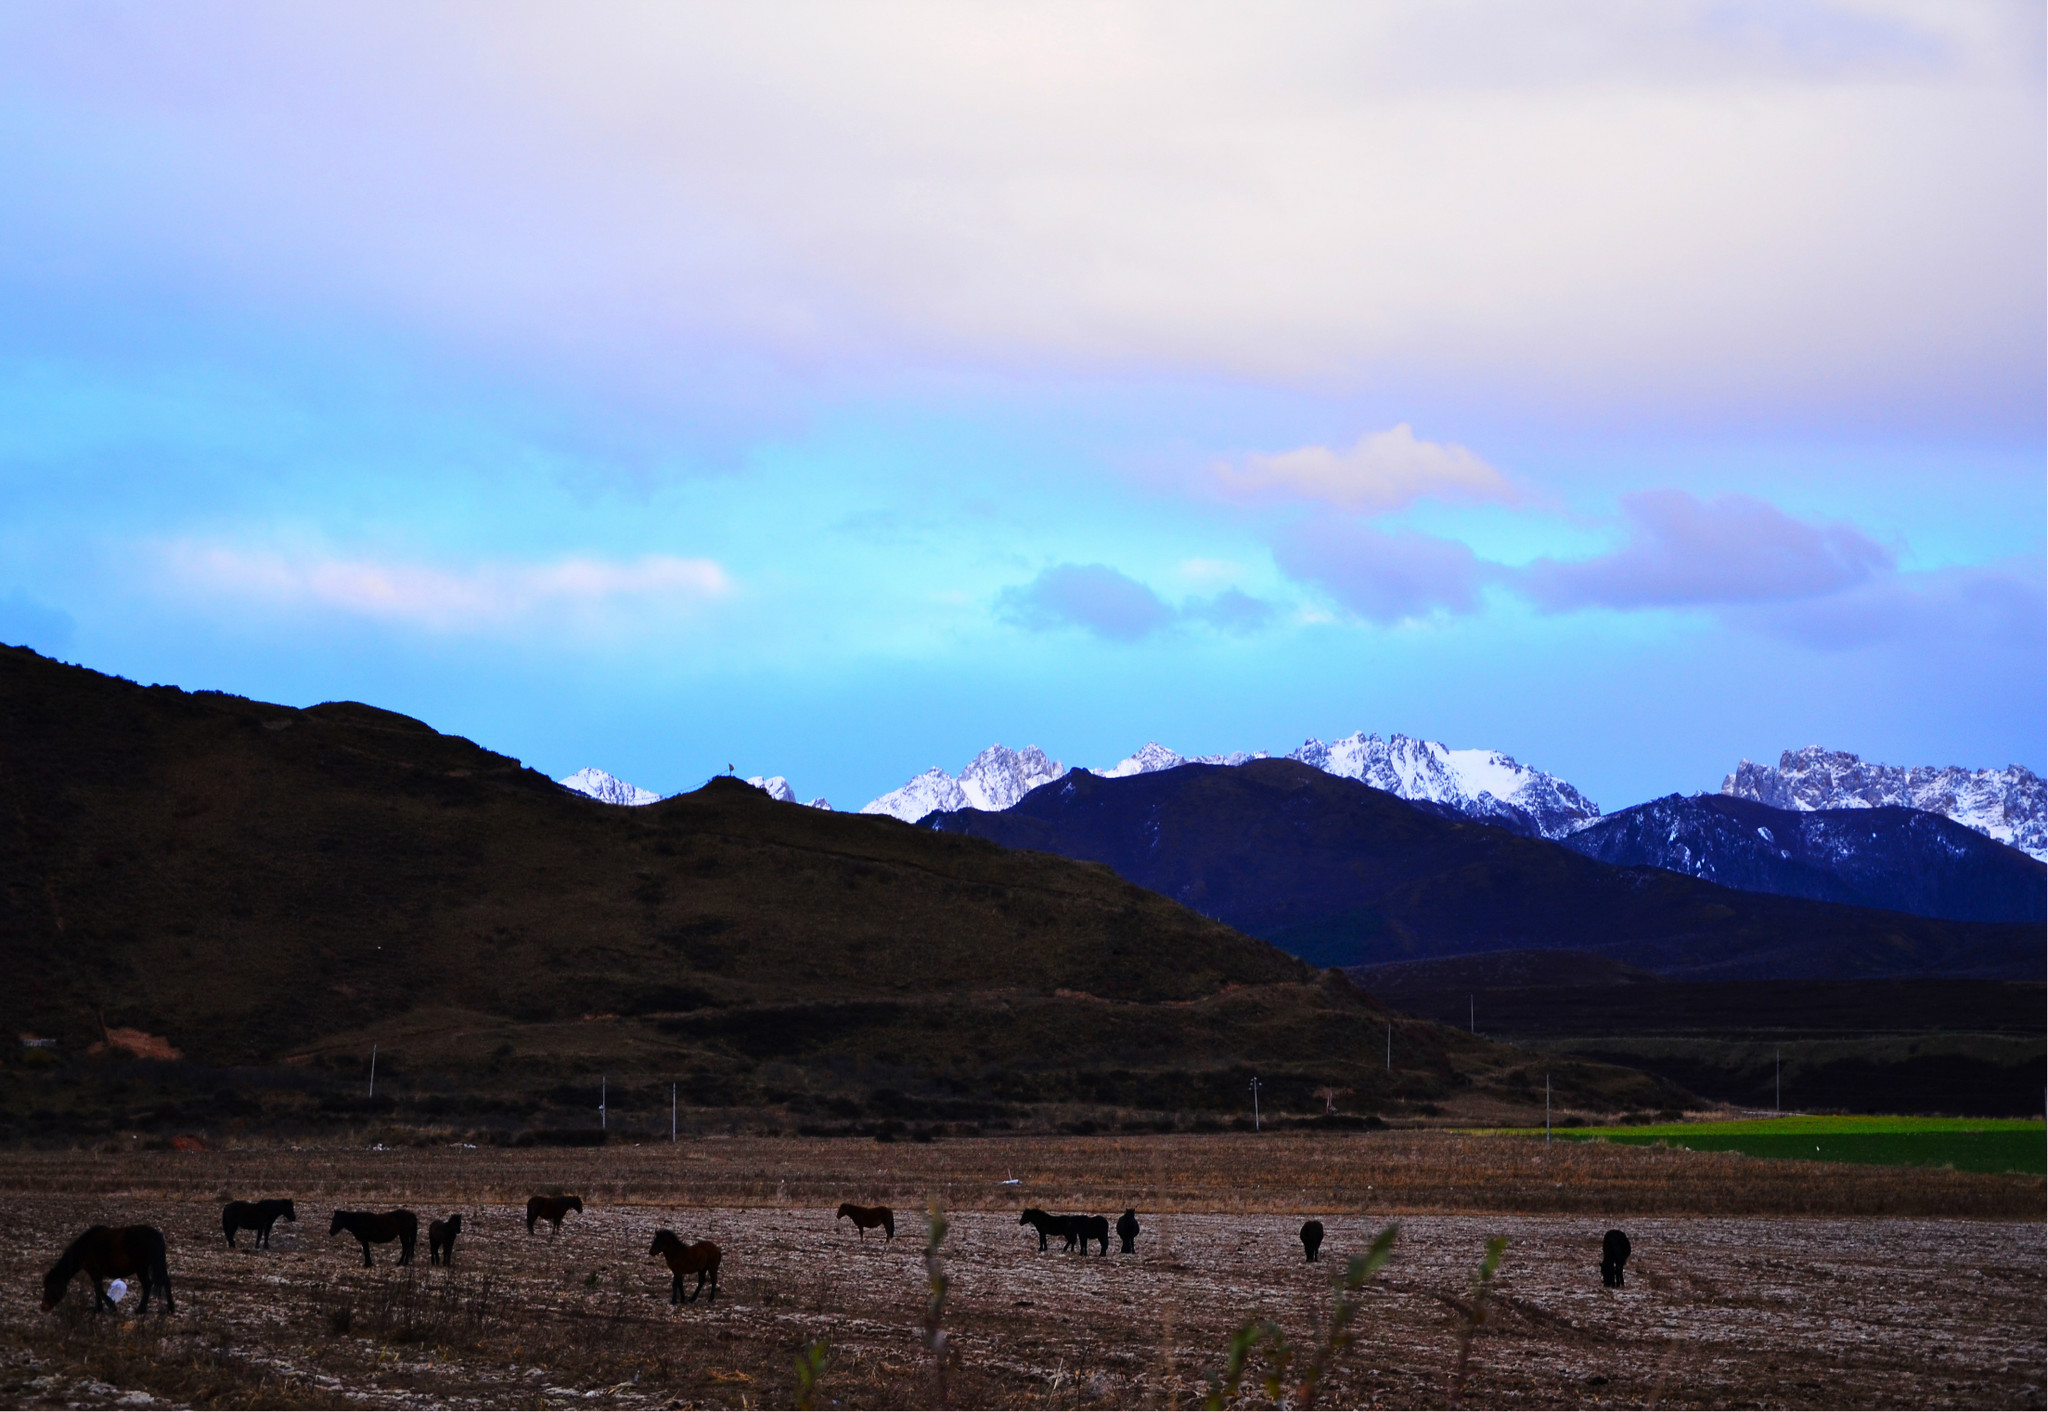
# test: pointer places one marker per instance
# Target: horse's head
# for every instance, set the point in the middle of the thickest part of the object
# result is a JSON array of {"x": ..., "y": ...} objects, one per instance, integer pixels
[
  {"x": 339, "y": 1224},
  {"x": 289, "y": 1213},
  {"x": 54, "y": 1285},
  {"x": 1031, "y": 1213},
  {"x": 664, "y": 1241},
  {"x": 574, "y": 1203}
]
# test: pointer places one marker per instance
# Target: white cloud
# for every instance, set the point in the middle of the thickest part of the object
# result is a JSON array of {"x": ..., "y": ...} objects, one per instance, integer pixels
[
  {"x": 445, "y": 599},
  {"x": 1384, "y": 471}
]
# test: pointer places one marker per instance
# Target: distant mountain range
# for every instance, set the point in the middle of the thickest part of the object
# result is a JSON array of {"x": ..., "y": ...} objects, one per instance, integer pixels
[
  {"x": 1903, "y": 860},
  {"x": 1480, "y": 784},
  {"x": 610, "y": 789},
  {"x": 2010, "y": 805},
  {"x": 1340, "y": 873}
]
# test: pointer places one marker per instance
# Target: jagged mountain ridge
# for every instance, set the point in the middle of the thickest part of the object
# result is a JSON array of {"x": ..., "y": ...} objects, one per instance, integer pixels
[
  {"x": 1479, "y": 784},
  {"x": 1340, "y": 873},
  {"x": 2009, "y": 805},
  {"x": 1898, "y": 859}
]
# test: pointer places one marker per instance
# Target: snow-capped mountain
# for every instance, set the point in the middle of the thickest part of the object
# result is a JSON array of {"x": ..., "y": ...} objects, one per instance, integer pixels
[
  {"x": 1902, "y": 860},
  {"x": 1154, "y": 756},
  {"x": 1483, "y": 784},
  {"x": 994, "y": 779},
  {"x": 609, "y": 788},
  {"x": 2010, "y": 805},
  {"x": 1480, "y": 784},
  {"x": 776, "y": 787}
]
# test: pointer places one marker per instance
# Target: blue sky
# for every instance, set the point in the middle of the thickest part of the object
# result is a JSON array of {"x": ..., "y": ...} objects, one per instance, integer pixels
[{"x": 831, "y": 391}]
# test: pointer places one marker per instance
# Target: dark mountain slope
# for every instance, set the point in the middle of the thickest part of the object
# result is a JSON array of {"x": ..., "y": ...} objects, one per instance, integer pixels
[
  {"x": 1902, "y": 860},
  {"x": 1343, "y": 874},
  {"x": 259, "y": 884}
]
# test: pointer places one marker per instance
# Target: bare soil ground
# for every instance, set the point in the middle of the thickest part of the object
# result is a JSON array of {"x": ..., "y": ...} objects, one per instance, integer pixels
[{"x": 1753, "y": 1283}]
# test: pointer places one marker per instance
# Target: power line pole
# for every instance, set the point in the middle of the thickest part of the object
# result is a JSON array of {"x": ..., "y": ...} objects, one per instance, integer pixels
[
  {"x": 1255, "y": 1104},
  {"x": 1390, "y": 1046},
  {"x": 1472, "y": 1014},
  {"x": 373, "y": 1071},
  {"x": 671, "y": 1112},
  {"x": 1778, "y": 1081},
  {"x": 1546, "y": 1109},
  {"x": 604, "y": 1119}
]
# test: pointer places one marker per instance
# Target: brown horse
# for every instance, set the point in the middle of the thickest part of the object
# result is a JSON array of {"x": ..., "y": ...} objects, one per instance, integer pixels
[
  {"x": 552, "y": 1209},
  {"x": 441, "y": 1240},
  {"x": 370, "y": 1227},
  {"x": 700, "y": 1260},
  {"x": 257, "y": 1216},
  {"x": 112, "y": 1252},
  {"x": 866, "y": 1218}
]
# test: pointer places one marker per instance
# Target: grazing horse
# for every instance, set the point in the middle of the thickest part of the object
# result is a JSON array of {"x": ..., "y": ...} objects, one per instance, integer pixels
[
  {"x": 112, "y": 1252},
  {"x": 1091, "y": 1228},
  {"x": 370, "y": 1227},
  {"x": 866, "y": 1218},
  {"x": 1311, "y": 1238},
  {"x": 1613, "y": 1255},
  {"x": 441, "y": 1240},
  {"x": 551, "y": 1209},
  {"x": 700, "y": 1260},
  {"x": 1127, "y": 1231},
  {"x": 257, "y": 1216}
]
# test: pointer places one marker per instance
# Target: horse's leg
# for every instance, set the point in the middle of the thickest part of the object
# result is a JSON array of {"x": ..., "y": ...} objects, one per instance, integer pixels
[
  {"x": 714, "y": 1284},
  {"x": 368, "y": 1263}
]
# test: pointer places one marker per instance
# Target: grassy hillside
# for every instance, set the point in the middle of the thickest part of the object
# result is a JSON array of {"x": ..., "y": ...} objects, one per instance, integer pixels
[{"x": 271, "y": 891}]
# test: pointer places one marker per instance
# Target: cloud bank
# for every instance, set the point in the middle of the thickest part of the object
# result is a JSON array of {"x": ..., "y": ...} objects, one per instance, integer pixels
[{"x": 1118, "y": 608}]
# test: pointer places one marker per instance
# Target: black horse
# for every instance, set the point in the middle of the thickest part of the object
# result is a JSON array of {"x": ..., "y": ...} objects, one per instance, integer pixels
[
  {"x": 1047, "y": 1225},
  {"x": 257, "y": 1216},
  {"x": 375, "y": 1228},
  {"x": 1613, "y": 1255},
  {"x": 441, "y": 1240},
  {"x": 1091, "y": 1228},
  {"x": 1311, "y": 1238},
  {"x": 1127, "y": 1231},
  {"x": 113, "y": 1252}
]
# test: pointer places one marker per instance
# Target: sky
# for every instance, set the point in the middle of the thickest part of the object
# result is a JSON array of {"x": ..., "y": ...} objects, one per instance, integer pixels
[{"x": 833, "y": 390}]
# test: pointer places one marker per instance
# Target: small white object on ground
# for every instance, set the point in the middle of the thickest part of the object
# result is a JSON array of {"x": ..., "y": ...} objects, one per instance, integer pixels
[{"x": 117, "y": 1291}]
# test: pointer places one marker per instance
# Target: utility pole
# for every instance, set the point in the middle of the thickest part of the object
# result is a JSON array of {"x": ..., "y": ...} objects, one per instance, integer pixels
[
  {"x": 1546, "y": 1109},
  {"x": 373, "y": 1071},
  {"x": 1778, "y": 1081},
  {"x": 671, "y": 1112},
  {"x": 1390, "y": 1046},
  {"x": 603, "y": 1118},
  {"x": 1472, "y": 1014},
  {"x": 1255, "y": 1104}
]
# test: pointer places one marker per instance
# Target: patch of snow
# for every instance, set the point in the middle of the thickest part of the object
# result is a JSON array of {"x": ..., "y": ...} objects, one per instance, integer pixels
[
  {"x": 2010, "y": 805},
  {"x": 993, "y": 780}
]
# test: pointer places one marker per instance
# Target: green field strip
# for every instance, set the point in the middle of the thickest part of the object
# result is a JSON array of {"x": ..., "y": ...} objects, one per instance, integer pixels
[{"x": 1965, "y": 1150}]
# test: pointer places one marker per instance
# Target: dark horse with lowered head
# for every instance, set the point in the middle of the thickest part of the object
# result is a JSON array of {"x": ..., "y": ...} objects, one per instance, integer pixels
[
  {"x": 700, "y": 1260},
  {"x": 551, "y": 1209},
  {"x": 113, "y": 1252},
  {"x": 257, "y": 1216},
  {"x": 866, "y": 1218},
  {"x": 379, "y": 1228}
]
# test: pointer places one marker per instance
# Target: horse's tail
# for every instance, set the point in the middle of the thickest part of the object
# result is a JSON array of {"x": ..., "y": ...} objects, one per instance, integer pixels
[
  {"x": 532, "y": 1215},
  {"x": 889, "y": 1222},
  {"x": 160, "y": 1266},
  {"x": 227, "y": 1222}
]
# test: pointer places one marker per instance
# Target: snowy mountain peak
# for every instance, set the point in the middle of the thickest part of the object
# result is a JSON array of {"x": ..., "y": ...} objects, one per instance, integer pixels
[
  {"x": 608, "y": 788},
  {"x": 776, "y": 787},
  {"x": 994, "y": 780},
  {"x": 1483, "y": 783},
  {"x": 2010, "y": 805},
  {"x": 1154, "y": 756}
]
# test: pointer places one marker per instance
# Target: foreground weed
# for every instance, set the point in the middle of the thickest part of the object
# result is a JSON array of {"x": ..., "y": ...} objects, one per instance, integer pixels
[
  {"x": 1475, "y": 1315},
  {"x": 1316, "y": 1361},
  {"x": 810, "y": 1367},
  {"x": 935, "y": 1301}
]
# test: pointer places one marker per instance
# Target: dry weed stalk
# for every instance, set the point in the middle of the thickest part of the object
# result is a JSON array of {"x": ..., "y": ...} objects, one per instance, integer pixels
[
  {"x": 1482, "y": 1286},
  {"x": 935, "y": 1302}
]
